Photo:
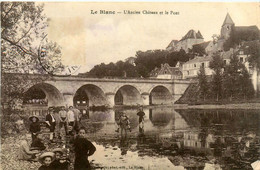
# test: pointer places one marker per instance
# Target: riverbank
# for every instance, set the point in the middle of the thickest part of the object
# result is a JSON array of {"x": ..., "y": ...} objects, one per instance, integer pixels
[
  {"x": 219, "y": 106},
  {"x": 255, "y": 106}
]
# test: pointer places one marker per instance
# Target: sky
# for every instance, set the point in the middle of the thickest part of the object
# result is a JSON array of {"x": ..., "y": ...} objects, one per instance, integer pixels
[{"x": 90, "y": 39}]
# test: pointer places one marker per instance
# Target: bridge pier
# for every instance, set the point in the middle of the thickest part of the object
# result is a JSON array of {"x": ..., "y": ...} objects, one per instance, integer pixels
[
  {"x": 145, "y": 97},
  {"x": 68, "y": 99},
  {"x": 111, "y": 99}
]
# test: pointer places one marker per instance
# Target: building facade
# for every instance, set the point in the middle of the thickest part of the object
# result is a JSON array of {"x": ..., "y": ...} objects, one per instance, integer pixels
[{"x": 167, "y": 72}]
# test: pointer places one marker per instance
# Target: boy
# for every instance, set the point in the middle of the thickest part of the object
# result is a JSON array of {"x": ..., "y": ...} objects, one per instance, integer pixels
[
  {"x": 59, "y": 163},
  {"x": 50, "y": 120},
  {"x": 46, "y": 159},
  {"x": 124, "y": 123},
  {"x": 83, "y": 148}
]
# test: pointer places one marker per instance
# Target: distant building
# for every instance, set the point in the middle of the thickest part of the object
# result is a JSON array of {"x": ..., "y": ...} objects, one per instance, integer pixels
[
  {"x": 172, "y": 46},
  {"x": 241, "y": 33},
  {"x": 191, "y": 68},
  {"x": 167, "y": 72},
  {"x": 186, "y": 43}
]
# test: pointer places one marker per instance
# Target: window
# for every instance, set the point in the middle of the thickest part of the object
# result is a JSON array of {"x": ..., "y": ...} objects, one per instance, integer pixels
[
  {"x": 241, "y": 52},
  {"x": 202, "y": 64},
  {"x": 241, "y": 59},
  {"x": 227, "y": 27},
  {"x": 188, "y": 72},
  {"x": 225, "y": 61},
  {"x": 194, "y": 65}
]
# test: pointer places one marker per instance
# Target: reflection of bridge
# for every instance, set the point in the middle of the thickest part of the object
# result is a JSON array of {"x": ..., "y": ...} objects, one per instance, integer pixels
[{"x": 93, "y": 91}]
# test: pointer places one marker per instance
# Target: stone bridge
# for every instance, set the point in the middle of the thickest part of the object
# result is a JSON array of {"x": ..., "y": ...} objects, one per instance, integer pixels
[{"x": 95, "y": 92}]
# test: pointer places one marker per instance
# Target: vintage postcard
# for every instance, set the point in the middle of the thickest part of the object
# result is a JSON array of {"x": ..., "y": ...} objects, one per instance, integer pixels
[{"x": 130, "y": 85}]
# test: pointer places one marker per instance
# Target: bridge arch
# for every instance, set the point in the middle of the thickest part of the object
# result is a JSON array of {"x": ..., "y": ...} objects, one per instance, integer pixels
[
  {"x": 43, "y": 94},
  {"x": 128, "y": 95},
  {"x": 89, "y": 95},
  {"x": 160, "y": 95}
]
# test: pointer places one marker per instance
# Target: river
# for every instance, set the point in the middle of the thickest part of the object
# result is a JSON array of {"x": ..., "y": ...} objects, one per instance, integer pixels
[{"x": 175, "y": 139}]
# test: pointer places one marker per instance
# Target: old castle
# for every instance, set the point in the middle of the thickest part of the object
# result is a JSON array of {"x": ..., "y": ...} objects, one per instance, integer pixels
[{"x": 245, "y": 34}]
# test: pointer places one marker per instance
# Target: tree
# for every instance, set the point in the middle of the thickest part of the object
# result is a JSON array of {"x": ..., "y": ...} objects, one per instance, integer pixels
[
  {"x": 217, "y": 64},
  {"x": 236, "y": 80},
  {"x": 246, "y": 86},
  {"x": 254, "y": 59},
  {"x": 203, "y": 83},
  {"x": 23, "y": 42},
  {"x": 198, "y": 50},
  {"x": 24, "y": 39}
]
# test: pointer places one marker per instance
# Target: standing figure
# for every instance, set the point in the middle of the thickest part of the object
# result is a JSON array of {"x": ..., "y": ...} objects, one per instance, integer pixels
[
  {"x": 46, "y": 159},
  {"x": 77, "y": 116},
  {"x": 50, "y": 120},
  {"x": 83, "y": 149},
  {"x": 35, "y": 127},
  {"x": 141, "y": 115},
  {"x": 124, "y": 123},
  {"x": 63, "y": 119},
  {"x": 71, "y": 119}
]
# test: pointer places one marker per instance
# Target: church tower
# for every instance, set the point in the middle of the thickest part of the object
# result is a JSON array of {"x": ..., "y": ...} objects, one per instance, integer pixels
[{"x": 227, "y": 26}]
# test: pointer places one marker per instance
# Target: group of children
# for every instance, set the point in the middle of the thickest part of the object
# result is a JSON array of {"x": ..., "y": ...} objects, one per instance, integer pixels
[
  {"x": 57, "y": 159},
  {"x": 54, "y": 160},
  {"x": 123, "y": 121}
]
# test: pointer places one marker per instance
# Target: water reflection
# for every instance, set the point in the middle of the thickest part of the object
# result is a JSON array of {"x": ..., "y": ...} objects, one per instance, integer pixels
[
  {"x": 192, "y": 139},
  {"x": 176, "y": 139}
]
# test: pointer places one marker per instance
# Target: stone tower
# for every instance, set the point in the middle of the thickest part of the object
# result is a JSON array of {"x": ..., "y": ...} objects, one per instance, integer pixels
[{"x": 227, "y": 26}]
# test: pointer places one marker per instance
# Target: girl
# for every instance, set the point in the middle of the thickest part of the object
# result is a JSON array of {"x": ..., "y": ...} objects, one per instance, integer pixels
[{"x": 34, "y": 126}]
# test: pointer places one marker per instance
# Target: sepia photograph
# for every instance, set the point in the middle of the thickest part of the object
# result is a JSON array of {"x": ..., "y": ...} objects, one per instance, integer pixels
[{"x": 130, "y": 85}]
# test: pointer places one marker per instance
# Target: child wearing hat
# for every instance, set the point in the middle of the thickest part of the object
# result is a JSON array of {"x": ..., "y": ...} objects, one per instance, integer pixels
[
  {"x": 60, "y": 162},
  {"x": 35, "y": 127},
  {"x": 46, "y": 159}
]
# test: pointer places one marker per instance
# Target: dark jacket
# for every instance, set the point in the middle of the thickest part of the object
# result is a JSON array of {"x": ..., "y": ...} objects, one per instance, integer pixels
[
  {"x": 35, "y": 127},
  {"x": 49, "y": 119},
  {"x": 43, "y": 167},
  {"x": 57, "y": 165},
  {"x": 37, "y": 143},
  {"x": 83, "y": 149}
]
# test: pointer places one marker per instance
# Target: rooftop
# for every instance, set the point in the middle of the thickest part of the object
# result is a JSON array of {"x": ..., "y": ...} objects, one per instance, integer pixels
[{"x": 192, "y": 35}]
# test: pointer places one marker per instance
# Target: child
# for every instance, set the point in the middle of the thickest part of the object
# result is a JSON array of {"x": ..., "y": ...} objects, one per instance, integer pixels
[
  {"x": 117, "y": 119},
  {"x": 34, "y": 126},
  {"x": 124, "y": 122},
  {"x": 37, "y": 143},
  {"x": 60, "y": 163},
  {"x": 50, "y": 120},
  {"x": 83, "y": 149},
  {"x": 24, "y": 152},
  {"x": 45, "y": 159}
]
